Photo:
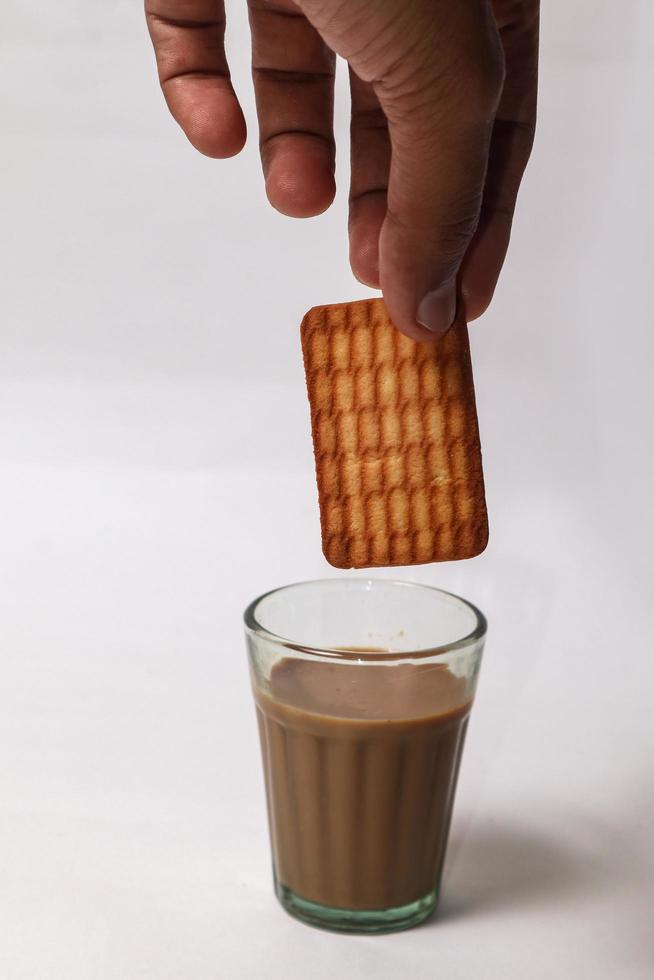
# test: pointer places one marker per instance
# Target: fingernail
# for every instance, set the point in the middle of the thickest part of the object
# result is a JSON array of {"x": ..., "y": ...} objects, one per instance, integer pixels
[{"x": 437, "y": 310}]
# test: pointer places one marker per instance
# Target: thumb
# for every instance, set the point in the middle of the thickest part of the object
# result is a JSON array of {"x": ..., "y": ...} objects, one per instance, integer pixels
[
  {"x": 437, "y": 70},
  {"x": 440, "y": 117}
]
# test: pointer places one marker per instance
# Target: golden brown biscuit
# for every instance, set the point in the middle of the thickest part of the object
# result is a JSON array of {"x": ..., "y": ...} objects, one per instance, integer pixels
[{"x": 396, "y": 441}]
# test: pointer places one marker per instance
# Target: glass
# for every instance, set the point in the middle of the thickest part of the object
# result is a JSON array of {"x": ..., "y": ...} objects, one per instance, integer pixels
[{"x": 363, "y": 690}]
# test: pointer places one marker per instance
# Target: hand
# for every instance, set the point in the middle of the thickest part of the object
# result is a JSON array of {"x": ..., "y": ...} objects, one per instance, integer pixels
[{"x": 443, "y": 114}]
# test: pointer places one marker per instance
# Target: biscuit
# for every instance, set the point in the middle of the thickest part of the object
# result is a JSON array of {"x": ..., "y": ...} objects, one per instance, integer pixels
[{"x": 396, "y": 439}]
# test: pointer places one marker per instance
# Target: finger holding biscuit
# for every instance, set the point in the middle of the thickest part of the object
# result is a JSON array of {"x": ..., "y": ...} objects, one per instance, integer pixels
[{"x": 443, "y": 114}]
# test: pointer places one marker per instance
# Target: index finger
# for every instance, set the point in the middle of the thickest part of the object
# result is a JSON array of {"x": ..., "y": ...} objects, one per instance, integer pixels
[{"x": 188, "y": 39}]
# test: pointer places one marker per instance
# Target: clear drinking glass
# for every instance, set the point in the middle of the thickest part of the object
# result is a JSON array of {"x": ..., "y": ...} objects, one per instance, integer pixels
[{"x": 363, "y": 690}]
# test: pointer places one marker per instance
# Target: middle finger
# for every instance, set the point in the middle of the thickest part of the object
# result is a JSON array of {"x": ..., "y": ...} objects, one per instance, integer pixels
[{"x": 293, "y": 73}]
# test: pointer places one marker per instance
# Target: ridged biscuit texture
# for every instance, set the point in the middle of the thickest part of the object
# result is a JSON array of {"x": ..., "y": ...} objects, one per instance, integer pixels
[{"x": 396, "y": 440}]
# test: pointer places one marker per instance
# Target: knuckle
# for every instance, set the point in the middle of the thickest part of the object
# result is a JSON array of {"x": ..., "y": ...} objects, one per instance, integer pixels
[
  {"x": 446, "y": 236},
  {"x": 468, "y": 89},
  {"x": 369, "y": 120}
]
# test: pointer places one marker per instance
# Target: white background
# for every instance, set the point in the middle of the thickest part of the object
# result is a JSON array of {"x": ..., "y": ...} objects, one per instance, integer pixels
[{"x": 157, "y": 474}]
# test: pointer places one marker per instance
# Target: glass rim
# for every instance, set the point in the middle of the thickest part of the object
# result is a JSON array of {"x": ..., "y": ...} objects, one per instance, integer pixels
[{"x": 478, "y": 633}]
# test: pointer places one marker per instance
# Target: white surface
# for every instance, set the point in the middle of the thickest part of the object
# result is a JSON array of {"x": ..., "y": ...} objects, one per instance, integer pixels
[{"x": 157, "y": 474}]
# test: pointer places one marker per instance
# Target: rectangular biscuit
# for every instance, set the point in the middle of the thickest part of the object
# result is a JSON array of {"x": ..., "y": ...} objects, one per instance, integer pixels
[{"x": 396, "y": 440}]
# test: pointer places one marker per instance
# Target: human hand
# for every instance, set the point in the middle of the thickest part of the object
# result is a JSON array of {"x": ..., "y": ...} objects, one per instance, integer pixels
[{"x": 443, "y": 115}]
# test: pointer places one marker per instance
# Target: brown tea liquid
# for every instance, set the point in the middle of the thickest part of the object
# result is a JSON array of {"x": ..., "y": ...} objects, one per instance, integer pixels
[{"x": 360, "y": 764}]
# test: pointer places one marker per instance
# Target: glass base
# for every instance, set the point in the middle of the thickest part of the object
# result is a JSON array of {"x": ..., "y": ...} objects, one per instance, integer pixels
[{"x": 356, "y": 920}]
